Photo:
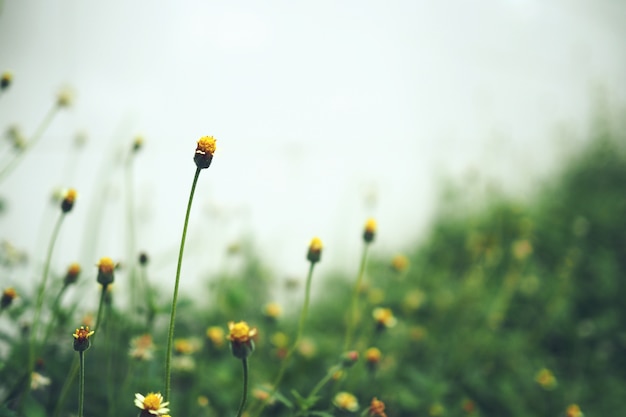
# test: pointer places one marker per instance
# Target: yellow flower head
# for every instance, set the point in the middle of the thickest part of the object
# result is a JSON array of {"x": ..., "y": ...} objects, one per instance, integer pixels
[
  {"x": 106, "y": 266},
  {"x": 152, "y": 403},
  {"x": 346, "y": 401},
  {"x": 315, "y": 250},
  {"x": 71, "y": 276},
  {"x": 186, "y": 346},
  {"x": 377, "y": 408},
  {"x": 81, "y": 338},
  {"x": 573, "y": 410},
  {"x": 204, "y": 152},
  {"x": 384, "y": 317},
  {"x": 373, "y": 355},
  {"x": 8, "y": 295},
  {"x": 216, "y": 335},
  {"x": 370, "y": 230},
  {"x": 240, "y": 336},
  {"x": 6, "y": 79},
  {"x": 68, "y": 201},
  {"x": 273, "y": 310},
  {"x": 546, "y": 379},
  {"x": 400, "y": 263}
]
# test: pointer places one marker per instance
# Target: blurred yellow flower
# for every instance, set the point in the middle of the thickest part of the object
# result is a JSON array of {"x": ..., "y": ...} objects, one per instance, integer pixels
[
  {"x": 573, "y": 410},
  {"x": 384, "y": 317},
  {"x": 546, "y": 379},
  {"x": 273, "y": 310},
  {"x": 216, "y": 335},
  {"x": 400, "y": 263},
  {"x": 346, "y": 401}
]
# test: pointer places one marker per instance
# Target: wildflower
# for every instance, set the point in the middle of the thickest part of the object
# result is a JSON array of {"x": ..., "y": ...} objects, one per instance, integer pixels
[
  {"x": 546, "y": 379},
  {"x": 151, "y": 404},
  {"x": 315, "y": 250},
  {"x": 137, "y": 143},
  {"x": 143, "y": 259},
  {"x": 105, "y": 271},
  {"x": 240, "y": 336},
  {"x": 65, "y": 97},
  {"x": 384, "y": 318},
  {"x": 216, "y": 335},
  {"x": 203, "y": 400},
  {"x": 38, "y": 381},
  {"x": 370, "y": 230},
  {"x": 68, "y": 200},
  {"x": 8, "y": 296},
  {"x": 573, "y": 410},
  {"x": 186, "y": 346},
  {"x": 400, "y": 263},
  {"x": 142, "y": 348},
  {"x": 349, "y": 358},
  {"x": 81, "y": 338},
  {"x": 377, "y": 408},
  {"x": 346, "y": 401},
  {"x": 71, "y": 276},
  {"x": 204, "y": 152},
  {"x": 373, "y": 355},
  {"x": 5, "y": 80},
  {"x": 272, "y": 310}
]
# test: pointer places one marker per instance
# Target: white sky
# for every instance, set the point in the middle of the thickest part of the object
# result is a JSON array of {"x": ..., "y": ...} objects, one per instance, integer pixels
[{"x": 314, "y": 104}]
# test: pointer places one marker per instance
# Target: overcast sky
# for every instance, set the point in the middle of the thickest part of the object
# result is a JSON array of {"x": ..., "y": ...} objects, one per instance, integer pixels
[{"x": 315, "y": 106}]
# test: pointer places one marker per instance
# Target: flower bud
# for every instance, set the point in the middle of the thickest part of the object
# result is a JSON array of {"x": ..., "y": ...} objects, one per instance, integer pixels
[
  {"x": 105, "y": 271},
  {"x": 204, "y": 152},
  {"x": 369, "y": 231},
  {"x": 81, "y": 339},
  {"x": 7, "y": 298},
  {"x": 349, "y": 358},
  {"x": 6, "y": 79},
  {"x": 71, "y": 276},
  {"x": 68, "y": 201},
  {"x": 315, "y": 250}
]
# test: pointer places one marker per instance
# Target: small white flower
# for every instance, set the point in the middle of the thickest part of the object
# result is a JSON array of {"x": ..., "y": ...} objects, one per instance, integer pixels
[{"x": 152, "y": 403}]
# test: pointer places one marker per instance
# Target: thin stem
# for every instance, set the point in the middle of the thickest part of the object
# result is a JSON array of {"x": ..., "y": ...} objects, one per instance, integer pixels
[
  {"x": 41, "y": 293},
  {"x": 283, "y": 367},
  {"x": 55, "y": 309},
  {"x": 321, "y": 384},
  {"x": 81, "y": 383},
  {"x": 170, "y": 336},
  {"x": 6, "y": 170},
  {"x": 244, "y": 396},
  {"x": 100, "y": 308},
  {"x": 130, "y": 227},
  {"x": 354, "y": 311}
]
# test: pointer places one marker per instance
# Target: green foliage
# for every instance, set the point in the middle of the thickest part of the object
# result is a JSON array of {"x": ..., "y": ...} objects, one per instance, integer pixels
[{"x": 492, "y": 297}]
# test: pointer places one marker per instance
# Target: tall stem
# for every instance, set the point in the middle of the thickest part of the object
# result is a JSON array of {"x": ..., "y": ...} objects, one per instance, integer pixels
[
  {"x": 354, "y": 310},
  {"x": 130, "y": 227},
  {"x": 81, "y": 383},
  {"x": 170, "y": 336},
  {"x": 244, "y": 396}
]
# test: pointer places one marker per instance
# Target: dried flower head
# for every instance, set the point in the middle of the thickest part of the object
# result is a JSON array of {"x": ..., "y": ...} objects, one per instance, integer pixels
[
  {"x": 68, "y": 200},
  {"x": 152, "y": 404},
  {"x": 369, "y": 231},
  {"x": 384, "y": 317},
  {"x": 106, "y": 267},
  {"x": 377, "y": 408},
  {"x": 315, "y": 250},
  {"x": 71, "y": 276},
  {"x": 5, "y": 80},
  {"x": 8, "y": 295},
  {"x": 81, "y": 338},
  {"x": 240, "y": 336},
  {"x": 204, "y": 152},
  {"x": 346, "y": 401}
]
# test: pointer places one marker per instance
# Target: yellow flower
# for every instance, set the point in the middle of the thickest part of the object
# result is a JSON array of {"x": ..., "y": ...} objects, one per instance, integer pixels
[
  {"x": 546, "y": 379},
  {"x": 315, "y": 250},
  {"x": 573, "y": 410},
  {"x": 186, "y": 346},
  {"x": 68, "y": 201},
  {"x": 384, "y": 317},
  {"x": 377, "y": 408},
  {"x": 372, "y": 355},
  {"x": 152, "y": 403},
  {"x": 203, "y": 400},
  {"x": 8, "y": 295},
  {"x": 81, "y": 338},
  {"x": 400, "y": 263},
  {"x": 346, "y": 401},
  {"x": 370, "y": 230},
  {"x": 240, "y": 336},
  {"x": 6, "y": 79},
  {"x": 216, "y": 335},
  {"x": 273, "y": 310},
  {"x": 204, "y": 152},
  {"x": 106, "y": 266}
]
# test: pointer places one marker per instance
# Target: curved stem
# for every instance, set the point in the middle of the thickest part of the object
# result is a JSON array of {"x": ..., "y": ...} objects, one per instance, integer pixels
[
  {"x": 170, "y": 336},
  {"x": 244, "y": 396},
  {"x": 354, "y": 311},
  {"x": 81, "y": 383}
]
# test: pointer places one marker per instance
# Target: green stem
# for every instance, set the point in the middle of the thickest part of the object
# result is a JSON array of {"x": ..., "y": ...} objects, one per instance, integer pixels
[
  {"x": 55, "y": 310},
  {"x": 283, "y": 367},
  {"x": 41, "y": 293},
  {"x": 81, "y": 383},
  {"x": 170, "y": 336},
  {"x": 354, "y": 311},
  {"x": 244, "y": 396},
  {"x": 321, "y": 384},
  {"x": 35, "y": 138},
  {"x": 100, "y": 308},
  {"x": 130, "y": 227}
]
